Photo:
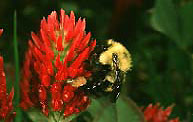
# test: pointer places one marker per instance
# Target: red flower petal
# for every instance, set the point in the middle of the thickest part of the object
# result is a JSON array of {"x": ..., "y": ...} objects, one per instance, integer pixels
[
  {"x": 36, "y": 40},
  {"x": 57, "y": 104},
  {"x": 42, "y": 94},
  {"x": 44, "y": 37},
  {"x": 1, "y": 31},
  {"x": 6, "y": 106},
  {"x": 59, "y": 46},
  {"x": 85, "y": 41},
  {"x": 69, "y": 26},
  {"x": 62, "y": 73},
  {"x": 74, "y": 47},
  {"x": 58, "y": 63},
  {"x": 3, "y": 88},
  {"x": 82, "y": 57},
  {"x": 80, "y": 27},
  {"x": 68, "y": 111},
  {"x": 68, "y": 93},
  {"x": 45, "y": 109},
  {"x": 45, "y": 80}
]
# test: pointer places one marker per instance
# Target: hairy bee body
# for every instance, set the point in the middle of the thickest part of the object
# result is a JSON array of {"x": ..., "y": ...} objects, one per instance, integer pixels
[{"x": 109, "y": 63}]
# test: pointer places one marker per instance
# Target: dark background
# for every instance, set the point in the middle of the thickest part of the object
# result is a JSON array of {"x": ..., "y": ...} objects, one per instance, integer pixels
[{"x": 162, "y": 65}]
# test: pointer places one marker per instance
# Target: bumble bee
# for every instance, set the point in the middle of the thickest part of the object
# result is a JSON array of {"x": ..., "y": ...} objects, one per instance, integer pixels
[{"x": 109, "y": 64}]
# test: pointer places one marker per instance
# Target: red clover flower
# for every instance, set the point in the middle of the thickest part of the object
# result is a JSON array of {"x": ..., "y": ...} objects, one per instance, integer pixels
[
  {"x": 54, "y": 66},
  {"x": 6, "y": 106},
  {"x": 155, "y": 113}
]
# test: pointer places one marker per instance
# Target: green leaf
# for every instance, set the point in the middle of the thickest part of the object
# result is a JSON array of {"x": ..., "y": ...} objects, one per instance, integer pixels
[
  {"x": 187, "y": 22},
  {"x": 107, "y": 115},
  {"x": 166, "y": 19},
  {"x": 37, "y": 116},
  {"x": 102, "y": 111},
  {"x": 125, "y": 110},
  {"x": 176, "y": 23}
]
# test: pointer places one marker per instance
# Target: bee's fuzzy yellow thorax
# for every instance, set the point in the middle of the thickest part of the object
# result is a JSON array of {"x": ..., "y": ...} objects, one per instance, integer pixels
[{"x": 124, "y": 56}]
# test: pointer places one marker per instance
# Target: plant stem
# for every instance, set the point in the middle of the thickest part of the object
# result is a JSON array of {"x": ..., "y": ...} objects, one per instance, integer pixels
[{"x": 16, "y": 59}]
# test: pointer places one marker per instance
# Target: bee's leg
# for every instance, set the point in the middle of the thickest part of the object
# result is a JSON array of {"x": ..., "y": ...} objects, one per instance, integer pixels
[
  {"x": 116, "y": 86},
  {"x": 94, "y": 85},
  {"x": 98, "y": 86},
  {"x": 118, "y": 78},
  {"x": 98, "y": 81}
]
